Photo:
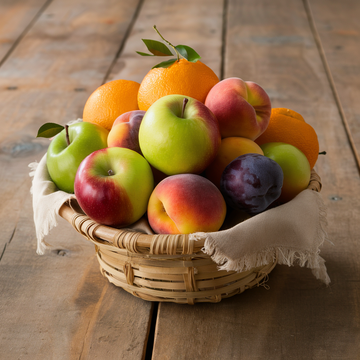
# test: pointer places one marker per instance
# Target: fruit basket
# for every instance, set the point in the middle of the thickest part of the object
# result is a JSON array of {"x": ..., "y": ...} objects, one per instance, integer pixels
[
  {"x": 153, "y": 176},
  {"x": 165, "y": 268}
]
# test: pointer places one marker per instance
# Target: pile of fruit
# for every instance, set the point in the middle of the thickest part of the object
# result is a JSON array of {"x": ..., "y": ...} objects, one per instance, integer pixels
[{"x": 182, "y": 148}]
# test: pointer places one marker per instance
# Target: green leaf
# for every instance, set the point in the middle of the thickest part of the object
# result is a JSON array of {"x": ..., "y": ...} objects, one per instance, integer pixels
[
  {"x": 49, "y": 130},
  {"x": 188, "y": 53},
  {"x": 144, "y": 54},
  {"x": 157, "y": 47},
  {"x": 165, "y": 64}
]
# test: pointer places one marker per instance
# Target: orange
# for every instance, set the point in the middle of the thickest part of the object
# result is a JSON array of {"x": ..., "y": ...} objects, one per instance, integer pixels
[
  {"x": 287, "y": 112},
  {"x": 288, "y": 126},
  {"x": 111, "y": 100},
  {"x": 183, "y": 78}
]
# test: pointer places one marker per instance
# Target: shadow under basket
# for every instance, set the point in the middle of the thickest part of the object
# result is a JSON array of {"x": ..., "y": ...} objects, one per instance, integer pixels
[{"x": 165, "y": 268}]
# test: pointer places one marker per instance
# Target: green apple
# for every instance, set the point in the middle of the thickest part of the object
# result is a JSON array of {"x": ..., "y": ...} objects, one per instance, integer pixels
[
  {"x": 63, "y": 159},
  {"x": 179, "y": 134},
  {"x": 295, "y": 166}
]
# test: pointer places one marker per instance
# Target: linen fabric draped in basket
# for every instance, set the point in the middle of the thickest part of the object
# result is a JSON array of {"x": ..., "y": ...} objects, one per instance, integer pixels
[{"x": 291, "y": 233}]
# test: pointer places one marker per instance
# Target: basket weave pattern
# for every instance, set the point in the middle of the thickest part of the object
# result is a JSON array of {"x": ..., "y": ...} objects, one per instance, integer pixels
[{"x": 164, "y": 267}]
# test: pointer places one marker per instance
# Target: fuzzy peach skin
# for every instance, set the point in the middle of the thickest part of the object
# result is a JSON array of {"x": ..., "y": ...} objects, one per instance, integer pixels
[
  {"x": 242, "y": 107},
  {"x": 230, "y": 149},
  {"x": 184, "y": 204},
  {"x": 125, "y": 131}
]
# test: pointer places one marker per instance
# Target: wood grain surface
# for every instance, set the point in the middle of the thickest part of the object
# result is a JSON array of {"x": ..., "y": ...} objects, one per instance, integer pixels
[
  {"x": 16, "y": 18},
  {"x": 58, "y": 306},
  {"x": 338, "y": 33},
  {"x": 53, "y": 55},
  {"x": 272, "y": 43}
]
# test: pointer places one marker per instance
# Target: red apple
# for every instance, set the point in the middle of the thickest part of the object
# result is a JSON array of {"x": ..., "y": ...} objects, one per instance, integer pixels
[
  {"x": 184, "y": 204},
  {"x": 113, "y": 186},
  {"x": 242, "y": 107}
]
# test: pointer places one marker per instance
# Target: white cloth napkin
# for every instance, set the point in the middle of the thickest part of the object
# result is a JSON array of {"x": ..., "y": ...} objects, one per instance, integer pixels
[
  {"x": 291, "y": 233},
  {"x": 47, "y": 201}
]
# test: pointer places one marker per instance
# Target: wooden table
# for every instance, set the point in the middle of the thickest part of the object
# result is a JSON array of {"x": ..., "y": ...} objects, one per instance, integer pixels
[{"x": 53, "y": 54}]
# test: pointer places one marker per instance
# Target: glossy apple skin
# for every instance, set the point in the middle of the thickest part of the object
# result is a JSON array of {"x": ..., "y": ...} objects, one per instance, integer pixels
[
  {"x": 63, "y": 160},
  {"x": 116, "y": 200},
  {"x": 230, "y": 149},
  {"x": 251, "y": 183},
  {"x": 176, "y": 144},
  {"x": 184, "y": 204},
  {"x": 295, "y": 166},
  {"x": 125, "y": 131},
  {"x": 242, "y": 107}
]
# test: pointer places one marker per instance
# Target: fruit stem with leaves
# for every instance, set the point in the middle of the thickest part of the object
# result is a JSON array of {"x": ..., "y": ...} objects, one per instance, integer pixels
[
  {"x": 158, "y": 48},
  {"x": 169, "y": 43}
]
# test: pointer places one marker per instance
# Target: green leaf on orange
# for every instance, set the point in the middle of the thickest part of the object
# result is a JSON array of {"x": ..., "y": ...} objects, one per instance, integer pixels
[
  {"x": 49, "y": 130},
  {"x": 188, "y": 53},
  {"x": 157, "y": 48},
  {"x": 165, "y": 64}
]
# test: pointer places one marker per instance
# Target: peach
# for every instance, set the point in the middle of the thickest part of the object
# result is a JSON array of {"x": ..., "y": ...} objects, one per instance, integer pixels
[
  {"x": 184, "y": 204},
  {"x": 125, "y": 131},
  {"x": 230, "y": 149},
  {"x": 242, "y": 107}
]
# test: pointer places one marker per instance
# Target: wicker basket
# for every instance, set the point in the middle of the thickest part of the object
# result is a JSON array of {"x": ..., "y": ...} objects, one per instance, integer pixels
[{"x": 168, "y": 268}]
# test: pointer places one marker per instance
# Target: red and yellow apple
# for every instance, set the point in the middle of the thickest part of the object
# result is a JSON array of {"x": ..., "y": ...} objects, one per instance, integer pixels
[
  {"x": 113, "y": 186},
  {"x": 179, "y": 134},
  {"x": 295, "y": 166},
  {"x": 230, "y": 149},
  {"x": 242, "y": 107},
  {"x": 125, "y": 131},
  {"x": 184, "y": 204}
]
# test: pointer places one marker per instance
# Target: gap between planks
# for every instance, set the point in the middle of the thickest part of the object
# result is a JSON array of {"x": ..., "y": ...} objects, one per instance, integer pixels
[
  {"x": 330, "y": 78},
  {"x": 8, "y": 243},
  {"x": 151, "y": 335},
  {"x": 125, "y": 38},
  {"x": 25, "y": 31},
  {"x": 223, "y": 37}
]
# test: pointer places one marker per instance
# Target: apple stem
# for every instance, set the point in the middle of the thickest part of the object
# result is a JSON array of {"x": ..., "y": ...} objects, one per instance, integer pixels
[
  {"x": 183, "y": 107},
  {"x": 322, "y": 153},
  {"x": 110, "y": 172},
  {"x": 67, "y": 135}
]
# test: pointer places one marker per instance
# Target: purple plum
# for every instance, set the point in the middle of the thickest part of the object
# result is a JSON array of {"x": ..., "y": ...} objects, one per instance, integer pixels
[{"x": 251, "y": 183}]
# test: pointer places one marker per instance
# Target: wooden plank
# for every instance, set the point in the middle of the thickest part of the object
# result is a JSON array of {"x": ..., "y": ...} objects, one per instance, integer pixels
[
  {"x": 336, "y": 24},
  {"x": 298, "y": 317},
  {"x": 16, "y": 17},
  {"x": 58, "y": 305},
  {"x": 176, "y": 23},
  {"x": 49, "y": 78}
]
